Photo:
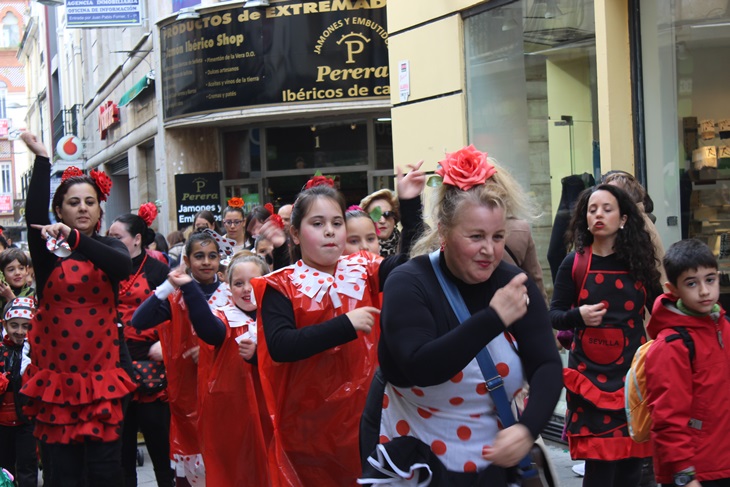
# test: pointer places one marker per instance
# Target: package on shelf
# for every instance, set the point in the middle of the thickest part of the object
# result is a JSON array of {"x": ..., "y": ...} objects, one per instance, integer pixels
[
  {"x": 704, "y": 157},
  {"x": 720, "y": 245},
  {"x": 715, "y": 226},
  {"x": 712, "y": 195},
  {"x": 723, "y": 157},
  {"x": 707, "y": 129},
  {"x": 723, "y": 126}
]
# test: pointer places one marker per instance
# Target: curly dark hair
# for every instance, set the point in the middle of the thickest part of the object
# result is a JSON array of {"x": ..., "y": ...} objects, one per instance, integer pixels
[{"x": 633, "y": 244}]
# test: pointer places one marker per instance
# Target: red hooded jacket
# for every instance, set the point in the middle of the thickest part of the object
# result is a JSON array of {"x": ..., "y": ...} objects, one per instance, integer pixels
[{"x": 679, "y": 391}]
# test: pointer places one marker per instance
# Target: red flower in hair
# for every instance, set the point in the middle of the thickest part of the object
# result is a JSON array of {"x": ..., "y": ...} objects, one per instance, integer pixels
[
  {"x": 235, "y": 202},
  {"x": 71, "y": 172},
  {"x": 148, "y": 213},
  {"x": 103, "y": 182},
  {"x": 269, "y": 207},
  {"x": 320, "y": 181},
  {"x": 466, "y": 168},
  {"x": 277, "y": 220}
]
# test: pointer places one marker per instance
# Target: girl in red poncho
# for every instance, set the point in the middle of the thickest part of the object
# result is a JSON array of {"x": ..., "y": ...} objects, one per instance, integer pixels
[
  {"x": 147, "y": 412},
  {"x": 234, "y": 446},
  {"x": 75, "y": 383},
  {"x": 319, "y": 355},
  {"x": 186, "y": 302}
]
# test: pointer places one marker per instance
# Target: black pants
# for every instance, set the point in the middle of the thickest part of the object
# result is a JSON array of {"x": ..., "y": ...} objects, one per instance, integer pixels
[
  {"x": 618, "y": 473},
  {"x": 88, "y": 464},
  {"x": 153, "y": 420},
  {"x": 18, "y": 454}
]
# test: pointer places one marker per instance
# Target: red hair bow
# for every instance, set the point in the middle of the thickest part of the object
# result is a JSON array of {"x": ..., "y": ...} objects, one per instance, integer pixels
[
  {"x": 148, "y": 213},
  {"x": 103, "y": 182},
  {"x": 71, "y": 172}
]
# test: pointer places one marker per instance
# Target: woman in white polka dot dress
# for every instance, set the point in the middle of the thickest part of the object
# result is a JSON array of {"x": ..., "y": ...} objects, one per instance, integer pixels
[{"x": 436, "y": 408}]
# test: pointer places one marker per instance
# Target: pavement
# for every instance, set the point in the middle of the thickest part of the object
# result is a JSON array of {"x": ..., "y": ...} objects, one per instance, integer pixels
[{"x": 557, "y": 451}]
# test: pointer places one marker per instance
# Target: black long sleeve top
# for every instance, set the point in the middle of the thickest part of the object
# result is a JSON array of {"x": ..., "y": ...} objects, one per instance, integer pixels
[
  {"x": 208, "y": 327},
  {"x": 108, "y": 254},
  {"x": 562, "y": 314},
  {"x": 423, "y": 344}
]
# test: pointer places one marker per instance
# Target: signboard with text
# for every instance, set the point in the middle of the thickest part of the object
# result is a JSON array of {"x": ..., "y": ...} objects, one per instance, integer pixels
[
  {"x": 194, "y": 193},
  {"x": 294, "y": 51},
  {"x": 103, "y": 13}
]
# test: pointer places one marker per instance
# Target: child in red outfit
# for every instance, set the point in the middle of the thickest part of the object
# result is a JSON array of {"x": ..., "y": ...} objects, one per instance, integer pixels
[
  {"x": 17, "y": 444},
  {"x": 687, "y": 397},
  {"x": 234, "y": 447}
]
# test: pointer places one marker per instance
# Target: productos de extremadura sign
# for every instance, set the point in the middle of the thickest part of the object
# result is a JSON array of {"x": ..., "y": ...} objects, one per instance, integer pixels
[{"x": 291, "y": 52}]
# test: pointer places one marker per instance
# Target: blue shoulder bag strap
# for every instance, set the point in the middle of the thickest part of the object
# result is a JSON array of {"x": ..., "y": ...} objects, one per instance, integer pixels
[{"x": 495, "y": 384}]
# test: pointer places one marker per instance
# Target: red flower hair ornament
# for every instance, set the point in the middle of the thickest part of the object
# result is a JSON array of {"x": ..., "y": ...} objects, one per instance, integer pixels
[
  {"x": 71, "y": 172},
  {"x": 103, "y": 182},
  {"x": 235, "y": 202},
  {"x": 320, "y": 181},
  {"x": 148, "y": 213},
  {"x": 465, "y": 168}
]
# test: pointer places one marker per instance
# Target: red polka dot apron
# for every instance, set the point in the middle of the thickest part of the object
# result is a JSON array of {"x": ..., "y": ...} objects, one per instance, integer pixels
[
  {"x": 597, "y": 366},
  {"x": 231, "y": 436},
  {"x": 456, "y": 418},
  {"x": 133, "y": 292},
  {"x": 316, "y": 403},
  {"x": 74, "y": 382}
]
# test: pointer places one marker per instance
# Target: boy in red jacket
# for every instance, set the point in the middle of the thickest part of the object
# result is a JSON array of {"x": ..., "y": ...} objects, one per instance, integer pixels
[{"x": 687, "y": 397}]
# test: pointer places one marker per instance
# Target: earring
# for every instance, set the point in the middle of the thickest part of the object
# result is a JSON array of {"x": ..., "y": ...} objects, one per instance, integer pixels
[
  {"x": 621, "y": 227},
  {"x": 443, "y": 245}
]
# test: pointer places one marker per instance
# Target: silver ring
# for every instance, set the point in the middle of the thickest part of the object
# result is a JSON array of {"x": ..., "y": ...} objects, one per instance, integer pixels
[{"x": 527, "y": 300}]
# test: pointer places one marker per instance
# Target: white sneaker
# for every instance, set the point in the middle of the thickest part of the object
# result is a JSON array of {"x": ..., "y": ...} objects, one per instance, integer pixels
[{"x": 579, "y": 469}]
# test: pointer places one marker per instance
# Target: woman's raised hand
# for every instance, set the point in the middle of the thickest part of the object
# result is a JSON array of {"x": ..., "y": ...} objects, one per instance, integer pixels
[
  {"x": 55, "y": 230},
  {"x": 510, "y": 302},
  {"x": 411, "y": 184},
  {"x": 246, "y": 348},
  {"x": 362, "y": 319},
  {"x": 35, "y": 145}
]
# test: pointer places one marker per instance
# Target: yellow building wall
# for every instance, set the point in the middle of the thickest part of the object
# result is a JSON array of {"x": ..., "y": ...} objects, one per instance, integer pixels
[{"x": 404, "y": 14}]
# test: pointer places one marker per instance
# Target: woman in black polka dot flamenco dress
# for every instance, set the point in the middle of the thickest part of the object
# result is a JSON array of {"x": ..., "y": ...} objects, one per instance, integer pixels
[{"x": 75, "y": 383}]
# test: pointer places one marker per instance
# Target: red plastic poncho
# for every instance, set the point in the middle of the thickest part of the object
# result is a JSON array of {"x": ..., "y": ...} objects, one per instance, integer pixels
[
  {"x": 230, "y": 431},
  {"x": 316, "y": 403}
]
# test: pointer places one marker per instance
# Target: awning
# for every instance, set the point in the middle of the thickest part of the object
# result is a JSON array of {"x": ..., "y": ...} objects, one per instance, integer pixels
[{"x": 141, "y": 85}]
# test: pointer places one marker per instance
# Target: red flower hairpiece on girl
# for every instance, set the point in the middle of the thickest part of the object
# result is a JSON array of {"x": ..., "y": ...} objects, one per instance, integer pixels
[
  {"x": 465, "y": 168},
  {"x": 148, "y": 213},
  {"x": 269, "y": 207},
  {"x": 235, "y": 202},
  {"x": 71, "y": 172},
  {"x": 103, "y": 182},
  {"x": 320, "y": 181},
  {"x": 276, "y": 219}
]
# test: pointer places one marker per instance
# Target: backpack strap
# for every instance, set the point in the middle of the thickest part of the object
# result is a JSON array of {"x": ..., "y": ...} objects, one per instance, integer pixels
[
  {"x": 581, "y": 264},
  {"x": 514, "y": 257},
  {"x": 684, "y": 335}
]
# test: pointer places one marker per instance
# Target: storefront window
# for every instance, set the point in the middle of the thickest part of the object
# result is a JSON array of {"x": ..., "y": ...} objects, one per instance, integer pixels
[
  {"x": 531, "y": 99},
  {"x": 319, "y": 145},
  {"x": 242, "y": 152},
  {"x": 684, "y": 48}
]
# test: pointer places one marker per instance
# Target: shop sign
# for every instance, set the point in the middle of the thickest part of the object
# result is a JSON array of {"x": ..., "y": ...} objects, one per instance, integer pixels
[
  {"x": 6, "y": 203},
  {"x": 194, "y": 193},
  {"x": 292, "y": 52},
  {"x": 69, "y": 147},
  {"x": 103, "y": 13},
  {"x": 4, "y": 127},
  {"x": 108, "y": 116}
]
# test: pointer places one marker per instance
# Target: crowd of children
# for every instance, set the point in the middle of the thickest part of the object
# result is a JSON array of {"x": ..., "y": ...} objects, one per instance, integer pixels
[{"x": 252, "y": 367}]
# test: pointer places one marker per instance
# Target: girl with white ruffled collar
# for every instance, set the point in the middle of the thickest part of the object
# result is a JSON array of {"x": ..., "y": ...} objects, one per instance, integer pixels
[{"x": 319, "y": 318}]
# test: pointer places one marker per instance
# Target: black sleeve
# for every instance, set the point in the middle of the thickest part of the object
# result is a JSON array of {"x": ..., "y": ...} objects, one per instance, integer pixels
[
  {"x": 155, "y": 272},
  {"x": 540, "y": 361},
  {"x": 562, "y": 315},
  {"x": 412, "y": 221},
  {"x": 410, "y": 331},
  {"x": 281, "y": 256},
  {"x": 286, "y": 342},
  {"x": 108, "y": 254},
  {"x": 37, "y": 203},
  {"x": 209, "y": 328},
  {"x": 151, "y": 313}
]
